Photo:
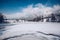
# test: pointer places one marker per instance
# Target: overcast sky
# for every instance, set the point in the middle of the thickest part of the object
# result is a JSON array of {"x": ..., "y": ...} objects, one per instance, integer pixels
[{"x": 29, "y": 7}]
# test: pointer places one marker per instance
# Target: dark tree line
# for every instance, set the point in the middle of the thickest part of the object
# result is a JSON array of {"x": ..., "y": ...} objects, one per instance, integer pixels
[
  {"x": 49, "y": 18},
  {"x": 41, "y": 18}
]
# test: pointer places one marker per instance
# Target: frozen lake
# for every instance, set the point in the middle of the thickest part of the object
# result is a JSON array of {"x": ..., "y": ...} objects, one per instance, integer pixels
[{"x": 30, "y": 31}]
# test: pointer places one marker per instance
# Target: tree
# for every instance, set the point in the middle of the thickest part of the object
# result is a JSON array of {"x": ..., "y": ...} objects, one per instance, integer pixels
[
  {"x": 53, "y": 18},
  {"x": 1, "y": 18}
]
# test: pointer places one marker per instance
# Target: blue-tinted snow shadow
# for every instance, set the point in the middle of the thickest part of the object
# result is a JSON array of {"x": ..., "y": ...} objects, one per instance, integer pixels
[{"x": 3, "y": 26}]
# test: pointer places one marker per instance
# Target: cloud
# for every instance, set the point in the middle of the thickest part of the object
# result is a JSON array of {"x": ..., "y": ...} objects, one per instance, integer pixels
[
  {"x": 56, "y": 9},
  {"x": 32, "y": 11}
]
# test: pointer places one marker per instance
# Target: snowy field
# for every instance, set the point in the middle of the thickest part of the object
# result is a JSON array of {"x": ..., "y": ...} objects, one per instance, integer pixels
[{"x": 31, "y": 31}]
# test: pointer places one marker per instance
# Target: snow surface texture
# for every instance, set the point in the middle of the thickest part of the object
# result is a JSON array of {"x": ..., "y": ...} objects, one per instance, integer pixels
[{"x": 32, "y": 31}]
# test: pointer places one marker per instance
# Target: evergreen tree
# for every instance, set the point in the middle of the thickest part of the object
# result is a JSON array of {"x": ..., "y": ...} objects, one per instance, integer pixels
[
  {"x": 53, "y": 18},
  {"x": 1, "y": 18}
]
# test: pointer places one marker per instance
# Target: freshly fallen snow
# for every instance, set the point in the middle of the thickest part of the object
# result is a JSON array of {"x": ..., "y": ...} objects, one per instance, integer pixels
[{"x": 31, "y": 28}]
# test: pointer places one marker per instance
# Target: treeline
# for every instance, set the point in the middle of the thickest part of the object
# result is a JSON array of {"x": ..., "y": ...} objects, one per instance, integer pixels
[{"x": 49, "y": 18}]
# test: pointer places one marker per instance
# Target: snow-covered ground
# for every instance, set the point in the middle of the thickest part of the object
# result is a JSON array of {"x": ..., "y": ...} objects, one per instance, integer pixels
[{"x": 32, "y": 31}]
